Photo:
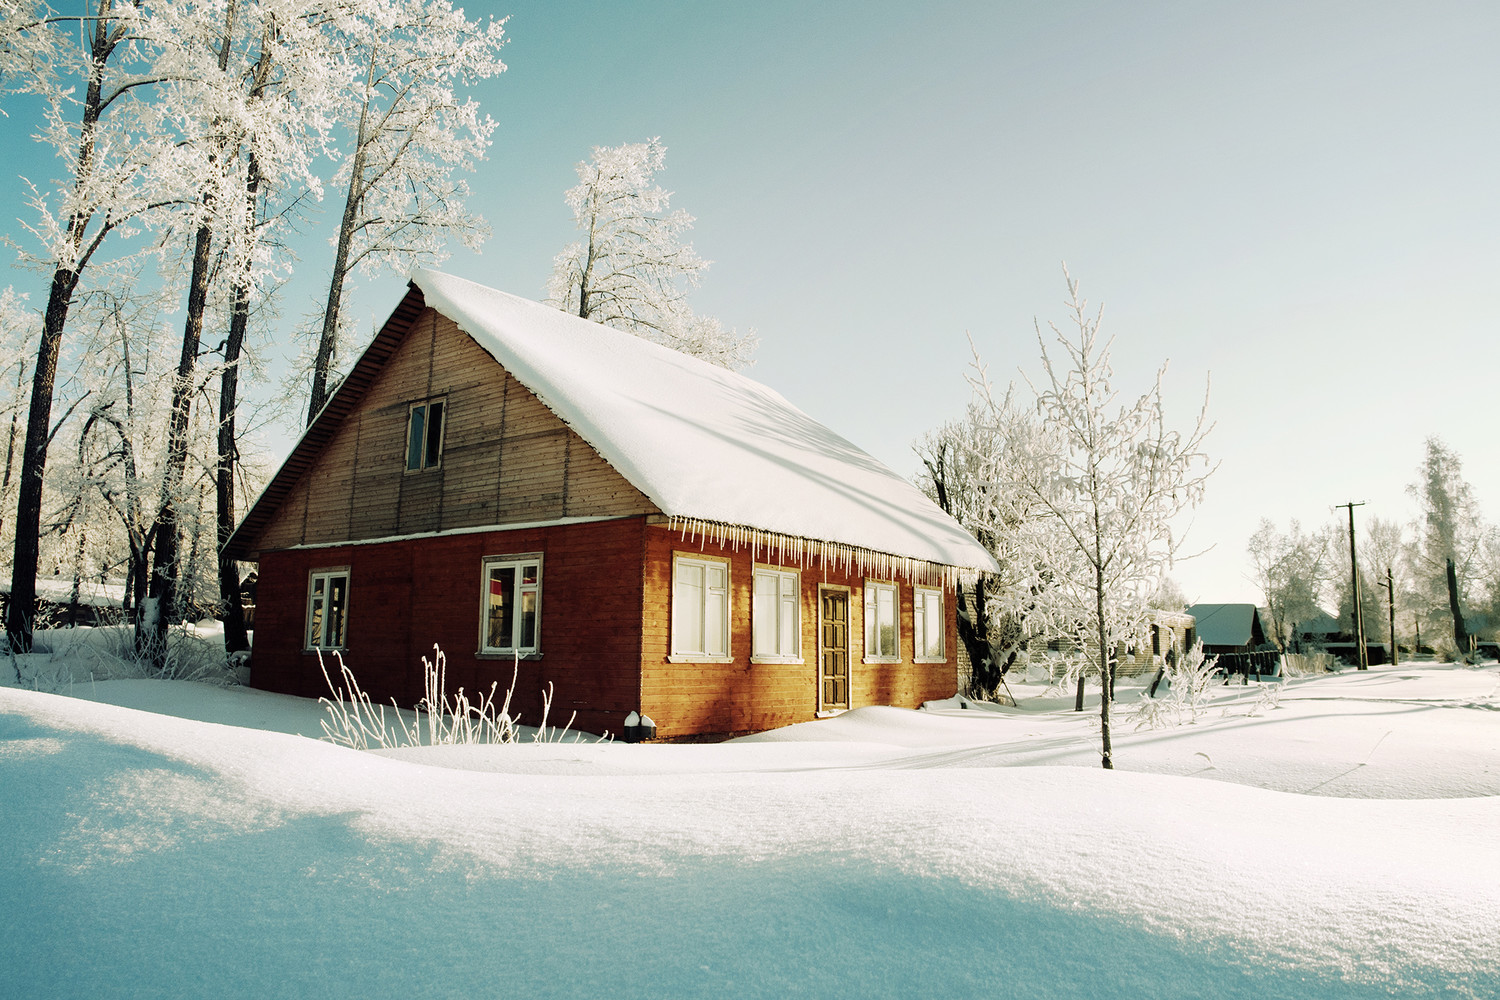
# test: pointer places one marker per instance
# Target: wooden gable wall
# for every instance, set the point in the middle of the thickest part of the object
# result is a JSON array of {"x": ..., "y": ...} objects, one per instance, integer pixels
[{"x": 506, "y": 457}]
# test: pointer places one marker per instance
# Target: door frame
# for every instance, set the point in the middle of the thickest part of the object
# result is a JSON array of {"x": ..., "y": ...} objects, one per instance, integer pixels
[{"x": 848, "y": 592}]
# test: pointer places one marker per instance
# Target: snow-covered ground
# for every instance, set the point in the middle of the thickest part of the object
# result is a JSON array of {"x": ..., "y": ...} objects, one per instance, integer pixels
[{"x": 182, "y": 839}]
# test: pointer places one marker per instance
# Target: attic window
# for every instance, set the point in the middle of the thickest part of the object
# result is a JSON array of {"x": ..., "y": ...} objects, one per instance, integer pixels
[{"x": 424, "y": 435}]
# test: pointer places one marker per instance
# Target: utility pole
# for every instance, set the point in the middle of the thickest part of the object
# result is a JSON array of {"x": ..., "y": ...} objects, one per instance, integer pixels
[
  {"x": 1359, "y": 611},
  {"x": 1390, "y": 597}
]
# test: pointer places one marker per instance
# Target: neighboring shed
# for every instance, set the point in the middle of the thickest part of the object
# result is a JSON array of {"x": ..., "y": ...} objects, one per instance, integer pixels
[{"x": 644, "y": 531}]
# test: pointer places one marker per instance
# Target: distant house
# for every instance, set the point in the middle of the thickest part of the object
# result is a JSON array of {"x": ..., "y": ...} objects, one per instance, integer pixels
[
  {"x": 1229, "y": 628},
  {"x": 1167, "y": 636},
  {"x": 639, "y": 529},
  {"x": 1317, "y": 629}
]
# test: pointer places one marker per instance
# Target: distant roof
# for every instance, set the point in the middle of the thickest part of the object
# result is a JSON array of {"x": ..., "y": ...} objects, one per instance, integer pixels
[
  {"x": 1225, "y": 624},
  {"x": 700, "y": 441}
]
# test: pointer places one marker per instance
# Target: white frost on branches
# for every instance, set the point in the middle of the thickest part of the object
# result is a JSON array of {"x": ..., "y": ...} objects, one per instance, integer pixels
[
  {"x": 1102, "y": 480},
  {"x": 411, "y": 137},
  {"x": 632, "y": 269}
]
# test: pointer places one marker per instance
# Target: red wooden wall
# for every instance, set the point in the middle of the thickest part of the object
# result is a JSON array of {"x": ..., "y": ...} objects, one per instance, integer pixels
[{"x": 405, "y": 596}]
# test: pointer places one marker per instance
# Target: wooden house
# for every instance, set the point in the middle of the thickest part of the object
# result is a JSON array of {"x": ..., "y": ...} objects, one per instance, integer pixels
[{"x": 637, "y": 529}]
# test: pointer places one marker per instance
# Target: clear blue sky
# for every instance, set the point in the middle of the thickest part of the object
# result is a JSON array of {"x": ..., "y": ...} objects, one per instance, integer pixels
[{"x": 1297, "y": 197}]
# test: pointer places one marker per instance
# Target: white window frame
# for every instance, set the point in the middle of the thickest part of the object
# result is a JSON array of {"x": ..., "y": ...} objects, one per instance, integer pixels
[
  {"x": 517, "y": 565},
  {"x": 426, "y": 459},
  {"x": 927, "y": 610},
  {"x": 316, "y": 599},
  {"x": 782, "y": 612},
  {"x": 697, "y": 612},
  {"x": 873, "y": 621}
]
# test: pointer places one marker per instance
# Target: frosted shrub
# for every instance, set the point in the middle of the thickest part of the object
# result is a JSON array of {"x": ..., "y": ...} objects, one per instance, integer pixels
[
  {"x": 355, "y": 721},
  {"x": 61, "y": 657},
  {"x": 1268, "y": 700},
  {"x": 1187, "y": 682}
]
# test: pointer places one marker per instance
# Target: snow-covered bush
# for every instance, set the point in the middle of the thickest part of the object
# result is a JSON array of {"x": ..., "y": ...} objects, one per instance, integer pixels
[
  {"x": 357, "y": 722},
  {"x": 1183, "y": 693},
  {"x": 60, "y": 657}
]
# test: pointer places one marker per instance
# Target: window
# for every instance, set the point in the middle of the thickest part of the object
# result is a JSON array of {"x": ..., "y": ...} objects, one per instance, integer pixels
[
  {"x": 328, "y": 609},
  {"x": 424, "y": 435},
  {"x": 512, "y": 605},
  {"x": 777, "y": 633},
  {"x": 927, "y": 624},
  {"x": 700, "y": 608},
  {"x": 882, "y": 640}
]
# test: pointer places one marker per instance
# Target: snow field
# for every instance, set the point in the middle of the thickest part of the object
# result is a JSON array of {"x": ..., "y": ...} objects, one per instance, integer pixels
[{"x": 883, "y": 853}]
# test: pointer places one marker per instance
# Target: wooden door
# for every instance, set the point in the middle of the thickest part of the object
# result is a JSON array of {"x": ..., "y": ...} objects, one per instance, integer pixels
[{"x": 833, "y": 649}]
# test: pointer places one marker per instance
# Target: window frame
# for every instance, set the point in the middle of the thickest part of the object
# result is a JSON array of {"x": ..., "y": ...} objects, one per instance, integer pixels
[
  {"x": 327, "y": 573},
  {"x": 921, "y": 647},
  {"x": 778, "y": 608},
  {"x": 870, "y": 625},
  {"x": 678, "y": 654},
  {"x": 431, "y": 454},
  {"x": 516, "y": 563}
]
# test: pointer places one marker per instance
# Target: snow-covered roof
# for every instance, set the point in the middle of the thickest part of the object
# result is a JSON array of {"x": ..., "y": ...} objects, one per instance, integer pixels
[
  {"x": 1225, "y": 624},
  {"x": 703, "y": 443}
]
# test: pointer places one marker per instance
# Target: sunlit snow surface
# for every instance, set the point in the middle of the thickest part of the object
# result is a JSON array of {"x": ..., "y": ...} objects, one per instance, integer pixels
[{"x": 1345, "y": 843}]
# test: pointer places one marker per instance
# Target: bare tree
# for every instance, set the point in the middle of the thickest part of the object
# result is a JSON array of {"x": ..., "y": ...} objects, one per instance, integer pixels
[
  {"x": 633, "y": 268},
  {"x": 1111, "y": 477}
]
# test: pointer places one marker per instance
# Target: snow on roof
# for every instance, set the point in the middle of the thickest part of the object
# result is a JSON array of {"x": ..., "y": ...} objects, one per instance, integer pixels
[
  {"x": 1224, "y": 624},
  {"x": 703, "y": 443}
]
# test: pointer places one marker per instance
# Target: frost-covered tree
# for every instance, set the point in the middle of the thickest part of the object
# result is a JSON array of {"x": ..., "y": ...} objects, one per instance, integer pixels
[
  {"x": 92, "y": 70},
  {"x": 1448, "y": 531},
  {"x": 1293, "y": 570},
  {"x": 998, "y": 613},
  {"x": 633, "y": 267},
  {"x": 1111, "y": 477},
  {"x": 410, "y": 135}
]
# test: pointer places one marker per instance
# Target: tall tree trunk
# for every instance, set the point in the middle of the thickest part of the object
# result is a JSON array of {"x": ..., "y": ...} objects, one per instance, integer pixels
[
  {"x": 27, "y": 551},
  {"x": 1460, "y": 630},
  {"x": 161, "y": 601},
  {"x": 236, "y": 638},
  {"x": 353, "y": 202}
]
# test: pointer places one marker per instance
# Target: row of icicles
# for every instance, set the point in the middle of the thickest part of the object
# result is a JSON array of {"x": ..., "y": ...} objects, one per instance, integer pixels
[{"x": 788, "y": 550}]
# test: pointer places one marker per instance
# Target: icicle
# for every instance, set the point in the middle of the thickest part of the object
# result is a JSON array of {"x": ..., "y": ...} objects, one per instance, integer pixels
[{"x": 787, "y": 550}]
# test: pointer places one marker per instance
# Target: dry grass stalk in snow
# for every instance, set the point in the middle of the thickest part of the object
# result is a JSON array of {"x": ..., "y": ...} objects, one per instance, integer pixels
[{"x": 355, "y": 721}]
